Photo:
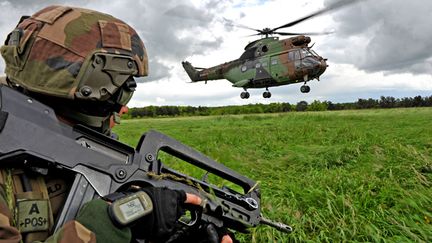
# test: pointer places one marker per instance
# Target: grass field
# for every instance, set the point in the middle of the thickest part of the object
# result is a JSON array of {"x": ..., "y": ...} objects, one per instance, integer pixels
[{"x": 363, "y": 175}]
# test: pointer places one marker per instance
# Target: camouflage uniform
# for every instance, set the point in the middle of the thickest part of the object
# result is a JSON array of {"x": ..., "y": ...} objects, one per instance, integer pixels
[
  {"x": 56, "y": 53},
  {"x": 73, "y": 231}
]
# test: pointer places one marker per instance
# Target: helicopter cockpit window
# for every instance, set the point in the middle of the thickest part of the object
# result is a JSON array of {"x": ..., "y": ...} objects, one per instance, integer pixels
[
  {"x": 258, "y": 65},
  {"x": 291, "y": 55},
  {"x": 274, "y": 62},
  {"x": 297, "y": 55},
  {"x": 248, "y": 54},
  {"x": 313, "y": 52},
  {"x": 305, "y": 53}
]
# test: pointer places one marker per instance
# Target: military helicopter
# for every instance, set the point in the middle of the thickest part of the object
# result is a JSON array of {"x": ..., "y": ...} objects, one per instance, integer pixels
[{"x": 271, "y": 61}]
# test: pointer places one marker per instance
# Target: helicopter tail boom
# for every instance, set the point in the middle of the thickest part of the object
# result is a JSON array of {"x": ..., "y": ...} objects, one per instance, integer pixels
[{"x": 205, "y": 74}]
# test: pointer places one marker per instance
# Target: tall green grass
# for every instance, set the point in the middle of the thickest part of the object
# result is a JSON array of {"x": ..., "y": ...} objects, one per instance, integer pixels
[{"x": 347, "y": 176}]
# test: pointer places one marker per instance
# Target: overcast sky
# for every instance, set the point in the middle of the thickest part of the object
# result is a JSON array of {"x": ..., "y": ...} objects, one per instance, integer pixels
[{"x": 377, "y": 48}]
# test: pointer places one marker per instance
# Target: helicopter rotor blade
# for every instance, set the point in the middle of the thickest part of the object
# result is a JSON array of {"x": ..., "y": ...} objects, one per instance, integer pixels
[
  {"x": 303, "y": 33},
  {"x": 253, "y": 35},
  {"x": 231, "y": 23},
  {"x": 332, "y": 7}
]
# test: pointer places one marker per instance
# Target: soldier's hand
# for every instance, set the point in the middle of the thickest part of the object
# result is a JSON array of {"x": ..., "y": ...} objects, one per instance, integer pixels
[
  {"x": 211, "y": 234},
  {"x": 168, "y": 207},
  {"x": 161, "y": 222}
]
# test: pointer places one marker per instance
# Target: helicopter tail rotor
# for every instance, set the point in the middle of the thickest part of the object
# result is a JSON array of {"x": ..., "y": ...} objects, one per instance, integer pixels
[{"x": 191, "y": 71}]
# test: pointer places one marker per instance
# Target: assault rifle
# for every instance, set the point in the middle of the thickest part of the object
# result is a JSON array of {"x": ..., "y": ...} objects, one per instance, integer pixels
[{"x": 31, "y": 135}]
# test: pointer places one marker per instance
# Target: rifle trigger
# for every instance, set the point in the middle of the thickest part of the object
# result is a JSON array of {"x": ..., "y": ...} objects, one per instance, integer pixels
[{"x": 191, "y": 219}]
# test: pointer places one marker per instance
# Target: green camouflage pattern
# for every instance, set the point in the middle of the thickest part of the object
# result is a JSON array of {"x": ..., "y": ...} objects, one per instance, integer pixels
[
  {"x": 7, "y": 232},
  {"x": 93, "y": 216},
  {"x": 72, "y": 232},
  {"x": 55, "y": 42},
  {"x": 265, "y": 63}
]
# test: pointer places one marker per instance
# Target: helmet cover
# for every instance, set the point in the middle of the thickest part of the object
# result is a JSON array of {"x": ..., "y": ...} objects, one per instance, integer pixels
[{"x": 75, "y": 53}]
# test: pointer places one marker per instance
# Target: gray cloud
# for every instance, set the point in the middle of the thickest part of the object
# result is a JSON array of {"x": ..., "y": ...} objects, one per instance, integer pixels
[
  {"x": 393, "y": 36},
  {"x": 170, "y": 31}
]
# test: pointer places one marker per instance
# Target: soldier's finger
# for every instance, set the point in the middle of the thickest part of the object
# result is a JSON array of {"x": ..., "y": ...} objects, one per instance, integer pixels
[
  {"x": 226, "y": 239},
  {"x": 193, "y": 199}
]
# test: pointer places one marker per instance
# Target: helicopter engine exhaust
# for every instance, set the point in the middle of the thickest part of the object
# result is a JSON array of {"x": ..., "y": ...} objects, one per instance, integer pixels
[{"x": 301, "y": 40}]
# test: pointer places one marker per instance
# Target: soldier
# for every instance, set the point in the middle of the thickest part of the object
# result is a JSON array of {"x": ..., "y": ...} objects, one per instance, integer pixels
[{"x": 82, "y": 63}]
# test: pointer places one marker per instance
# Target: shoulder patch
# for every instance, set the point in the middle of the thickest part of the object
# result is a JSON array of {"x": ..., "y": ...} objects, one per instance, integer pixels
[{"x": 33, "y": 215}]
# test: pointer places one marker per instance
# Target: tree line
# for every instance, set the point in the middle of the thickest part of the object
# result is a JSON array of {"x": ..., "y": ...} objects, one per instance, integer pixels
[{"x": 383, "y": 102}]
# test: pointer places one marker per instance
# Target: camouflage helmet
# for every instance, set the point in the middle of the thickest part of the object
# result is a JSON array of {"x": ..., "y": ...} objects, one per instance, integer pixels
[{"x": 75, "y": 54}]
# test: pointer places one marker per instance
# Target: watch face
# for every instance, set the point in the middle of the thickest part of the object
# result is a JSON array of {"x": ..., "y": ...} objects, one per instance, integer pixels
[{"x": 131, "y": 209}]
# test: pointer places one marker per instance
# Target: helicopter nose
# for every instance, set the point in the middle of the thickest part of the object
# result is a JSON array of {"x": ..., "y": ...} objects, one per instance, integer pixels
[{"x": 322, "y": 67}]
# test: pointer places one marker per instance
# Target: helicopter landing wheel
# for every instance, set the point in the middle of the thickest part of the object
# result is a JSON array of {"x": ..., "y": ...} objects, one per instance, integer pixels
[
  {"x": 266, "y": 94},
  {"x": 244, "y": 95},
  {"x": 305, "y": 89}
]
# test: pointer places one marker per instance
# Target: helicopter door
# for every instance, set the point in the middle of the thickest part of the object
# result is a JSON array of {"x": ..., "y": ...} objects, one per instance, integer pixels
[
  {"x": 296, "y": 59},
  {"x": 283, "y": 66}
]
